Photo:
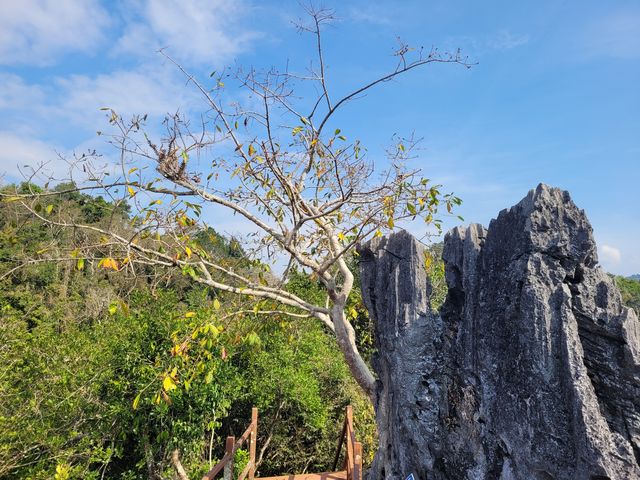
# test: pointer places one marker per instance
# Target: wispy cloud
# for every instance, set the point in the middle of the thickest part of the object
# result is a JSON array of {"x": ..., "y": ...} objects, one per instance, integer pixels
[
  {"x": 153, "y": 90},
  {"x": 500, "y": 40},
  {"x": 614, "y": 35},
  {"x": 19, "y": 155},
  {"x": 205, "y": 32},
  {"x": 369, "y": 13},
  {"x": 38, "y": 32},
  {"x": 15, "y": 93},
  {"x": 506, "y": 40},
  {"x": 609, "y": 255}
]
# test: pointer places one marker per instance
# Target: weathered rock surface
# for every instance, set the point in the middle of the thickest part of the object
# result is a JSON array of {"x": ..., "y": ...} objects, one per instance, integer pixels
[{"x": 530, "y": 371}]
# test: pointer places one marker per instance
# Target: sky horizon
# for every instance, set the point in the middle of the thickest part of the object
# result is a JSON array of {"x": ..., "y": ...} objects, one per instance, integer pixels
[{"x": 552, "y": 96}]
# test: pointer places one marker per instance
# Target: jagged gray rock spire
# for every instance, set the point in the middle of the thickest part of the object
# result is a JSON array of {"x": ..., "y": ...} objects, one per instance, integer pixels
[{"x": 530, "y": 371}]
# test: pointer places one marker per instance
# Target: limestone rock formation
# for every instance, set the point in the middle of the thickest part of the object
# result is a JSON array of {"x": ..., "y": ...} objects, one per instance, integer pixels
[{"x": 531, "y": 370}]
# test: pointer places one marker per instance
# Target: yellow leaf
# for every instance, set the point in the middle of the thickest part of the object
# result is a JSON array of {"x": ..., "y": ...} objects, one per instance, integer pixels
[
  {"x": 49, "y": 208},
  {"x": 131, "y": 191},
  {"x": 131, "y": 170},
  {"x": 252, "y": 150},
  {"x": 80, "y": 264},
  {"x": 353, "y": 313},
  {"x": 378, "y": 233},
  {"x": 108, "y": 263},
  {"x": 190, "y": 314},
  {"x": 168, "y": 384},
  {"x": 428, "y": 260},
  {"x": 136, "y": 402},
  {"x": 216, "y": 304},
  {"x": 390, "y": 222},
  {"x": 188, "y": 251}
]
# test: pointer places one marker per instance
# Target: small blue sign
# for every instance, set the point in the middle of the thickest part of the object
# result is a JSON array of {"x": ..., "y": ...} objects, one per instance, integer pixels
[{"x": 411, "y": 477}]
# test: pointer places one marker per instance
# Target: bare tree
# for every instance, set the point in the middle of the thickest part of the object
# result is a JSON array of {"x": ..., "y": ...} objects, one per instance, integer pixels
[{"x": 278, "y": 164}]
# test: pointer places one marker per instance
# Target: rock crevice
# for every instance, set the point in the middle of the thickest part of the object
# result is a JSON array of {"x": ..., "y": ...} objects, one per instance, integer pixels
[{"x": 531, "y": 370}]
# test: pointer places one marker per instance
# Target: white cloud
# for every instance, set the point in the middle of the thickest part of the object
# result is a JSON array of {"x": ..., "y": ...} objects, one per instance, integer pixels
[
  {"x": 36, "y": 32},
  {"x": 609, "y": 255},
  {"x": 19, "y": 151},
  {"x": 196, "y": 31},
  {"x": 16, "y": 94},
  {"x": 155, "y": 91}
]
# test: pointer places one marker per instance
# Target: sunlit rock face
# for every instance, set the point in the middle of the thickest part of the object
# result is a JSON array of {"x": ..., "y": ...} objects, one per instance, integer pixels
[{"x": 531, "y": 370}]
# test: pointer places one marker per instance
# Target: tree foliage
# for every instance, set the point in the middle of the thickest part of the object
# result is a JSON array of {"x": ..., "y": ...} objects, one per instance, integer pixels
[
  {"x": 102, "y": 378},
  {"x": 630, "y": 289},
  {"x": 303, "y": 186}
]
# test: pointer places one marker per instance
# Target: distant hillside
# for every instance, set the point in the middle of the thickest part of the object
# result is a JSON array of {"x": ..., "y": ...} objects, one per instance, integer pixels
[
  {"x": 630, "y": 290},
  {"x": 634, "y": 277}
]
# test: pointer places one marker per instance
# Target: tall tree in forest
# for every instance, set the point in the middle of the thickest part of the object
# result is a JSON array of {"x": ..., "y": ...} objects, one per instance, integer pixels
[{"x": 281, "y": 165}]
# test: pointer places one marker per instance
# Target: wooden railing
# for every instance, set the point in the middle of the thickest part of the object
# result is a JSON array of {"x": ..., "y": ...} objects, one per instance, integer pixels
[
  {"x": 353, "y": 455},
  {"x": 226, "y": 464},
  {"x": 351, "y": 469}
]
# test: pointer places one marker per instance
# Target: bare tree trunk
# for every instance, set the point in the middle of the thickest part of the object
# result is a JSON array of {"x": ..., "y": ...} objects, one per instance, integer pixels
[
  {"x": 180, "y": 471},
  {"x": 345, "y": 335}
]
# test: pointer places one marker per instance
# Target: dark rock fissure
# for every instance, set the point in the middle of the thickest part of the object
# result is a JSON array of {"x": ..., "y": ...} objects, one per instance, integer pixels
[{"x": 531, "y": 370}]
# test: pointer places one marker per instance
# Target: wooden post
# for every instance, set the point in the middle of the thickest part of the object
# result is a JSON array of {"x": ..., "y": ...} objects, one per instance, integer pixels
[
  {"x": 349, "y": 456},
  {"x": 252, "y": 442},
  {"x": 357, "y": 461},
  {"x": 228, "y": 449}
]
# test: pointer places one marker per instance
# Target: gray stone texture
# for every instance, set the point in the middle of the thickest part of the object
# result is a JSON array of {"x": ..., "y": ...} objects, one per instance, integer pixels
[{"x": 531, "y": 370}]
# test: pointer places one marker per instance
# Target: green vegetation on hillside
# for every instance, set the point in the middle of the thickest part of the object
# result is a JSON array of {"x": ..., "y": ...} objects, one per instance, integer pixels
[
  {"x": 630, "y": 290},
  {"x": 103, "y": 373}
]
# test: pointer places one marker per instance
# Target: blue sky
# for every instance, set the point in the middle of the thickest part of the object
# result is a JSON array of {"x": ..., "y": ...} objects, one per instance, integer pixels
[{"x": 554, "y": 97}]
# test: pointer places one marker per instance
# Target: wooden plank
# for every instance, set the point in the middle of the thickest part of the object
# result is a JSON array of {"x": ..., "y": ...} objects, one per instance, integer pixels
[
  {"x": 342, "y": 475},
  {"x": 252, "y": 442}
]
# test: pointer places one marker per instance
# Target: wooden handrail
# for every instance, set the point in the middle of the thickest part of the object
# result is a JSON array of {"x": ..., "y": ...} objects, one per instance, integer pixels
[
  {"x": 353, "y": 454},
  {"x": 230, "y": 449},
  {"x": 229, "y": 452},
  {"x": 352, "y": 460},
  {"x": 339, "y": 449}
]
